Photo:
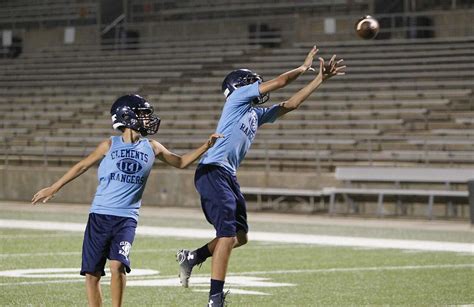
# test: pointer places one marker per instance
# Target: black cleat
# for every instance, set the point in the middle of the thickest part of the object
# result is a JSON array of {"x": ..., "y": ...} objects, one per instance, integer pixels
[{"x": 217, "y": 300}]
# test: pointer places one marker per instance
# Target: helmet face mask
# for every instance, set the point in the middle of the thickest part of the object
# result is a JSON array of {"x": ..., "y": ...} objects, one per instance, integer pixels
[
  {"x": 243, "y": 77},
  {"x": 134, "y": 112},
  {"x": 149, "y": 122}
]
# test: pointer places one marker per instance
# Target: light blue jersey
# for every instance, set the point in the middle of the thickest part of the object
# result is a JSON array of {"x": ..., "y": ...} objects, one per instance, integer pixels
[
  {"x": 238, "y": 123},
  {"x": 122, "y": 174}
]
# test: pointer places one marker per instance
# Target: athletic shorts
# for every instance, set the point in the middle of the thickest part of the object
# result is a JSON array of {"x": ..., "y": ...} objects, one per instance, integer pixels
[
  {"x": 107, "y": 237},
  {"x": 221, "y": 200}
]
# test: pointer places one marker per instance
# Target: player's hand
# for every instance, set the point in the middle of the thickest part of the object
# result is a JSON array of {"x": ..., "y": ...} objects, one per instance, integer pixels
[
  {"x": 213, "y": 138},
  {"x": 43, "y": 195},
  {"x": 309, "y": 59},
  {"x": 333, "y": 68}
]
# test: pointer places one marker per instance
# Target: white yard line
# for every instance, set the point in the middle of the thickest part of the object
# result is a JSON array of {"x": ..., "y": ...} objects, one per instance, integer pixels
[
  {"x": 54, "y": 254},
  {"x": 275, "y": 237},
  {"x": 363, "y": 269},
  {"x": 155, "y": 250},
  {"x": 276, "y": 272}
]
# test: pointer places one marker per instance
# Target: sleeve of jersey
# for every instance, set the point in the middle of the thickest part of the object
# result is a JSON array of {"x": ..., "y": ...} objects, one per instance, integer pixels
[
  {"x": 268, "y": 115},
  {"x": 245, "y": 94}
]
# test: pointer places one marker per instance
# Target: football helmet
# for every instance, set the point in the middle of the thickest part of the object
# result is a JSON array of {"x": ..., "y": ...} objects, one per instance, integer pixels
[
  {"x": 239, "y": 78},
  {"x": 134, "y": 112}
]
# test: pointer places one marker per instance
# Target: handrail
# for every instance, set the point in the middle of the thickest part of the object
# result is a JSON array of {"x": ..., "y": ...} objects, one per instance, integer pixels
[{"x": 113, "y": 24}]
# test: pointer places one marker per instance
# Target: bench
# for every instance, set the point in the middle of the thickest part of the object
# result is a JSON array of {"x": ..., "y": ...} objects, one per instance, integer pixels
[
  {"x": 465, "y": 121},
  {"x": 397, "y": 175},
  {"x": 275, "y": 196}
]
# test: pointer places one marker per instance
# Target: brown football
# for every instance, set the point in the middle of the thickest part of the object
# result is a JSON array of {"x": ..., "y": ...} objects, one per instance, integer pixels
[{"x": 367, "y": 27}]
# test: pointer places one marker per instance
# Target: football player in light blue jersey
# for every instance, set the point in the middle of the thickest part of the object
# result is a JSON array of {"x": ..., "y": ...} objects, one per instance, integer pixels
[
  {"x": 221, "y": 199},
  {"x": 126, "y": 162}
]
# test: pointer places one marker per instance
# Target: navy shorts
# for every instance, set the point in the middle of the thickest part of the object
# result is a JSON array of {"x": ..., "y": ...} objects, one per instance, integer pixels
[
  {"x": 222, "y": 202},
  {"x": 107, "y": 237}
]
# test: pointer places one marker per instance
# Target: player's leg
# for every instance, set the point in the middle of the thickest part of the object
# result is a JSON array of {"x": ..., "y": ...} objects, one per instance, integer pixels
[
  {"x": 241, "y": 226},
  {"x": 93, "y": 260},
  {"x": 218, "y": 204},
  {"x": 220, "y": 262},
  {"x": 240, "y": 216},
  {"x": 241, "y": 238},
  {"x": 220, "y": 257},
  {"x": 234, "y": 220},
  {"x": 118, "y": 281},
  {"x": 120, "y": 246},
  {"x": 93, "y": 289},
  {"x": 188, "y": 259}
]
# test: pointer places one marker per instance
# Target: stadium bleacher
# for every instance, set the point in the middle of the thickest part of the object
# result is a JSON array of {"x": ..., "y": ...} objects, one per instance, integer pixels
[
  {"x": 392, "y": 118},
  {"x": 365, "y": 193},
  {"x": 402, "y": 102}
]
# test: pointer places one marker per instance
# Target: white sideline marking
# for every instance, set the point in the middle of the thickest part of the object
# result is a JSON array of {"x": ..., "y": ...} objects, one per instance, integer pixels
[
  {"x": 262, "y": 236},
  {"x": 175, "y": 281}
]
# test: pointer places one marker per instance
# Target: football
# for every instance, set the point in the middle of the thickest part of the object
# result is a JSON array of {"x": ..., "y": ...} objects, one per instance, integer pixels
[{"x": 367, "y": 27}]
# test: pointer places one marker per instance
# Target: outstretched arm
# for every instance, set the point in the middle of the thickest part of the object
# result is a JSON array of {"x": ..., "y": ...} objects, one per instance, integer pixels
[
  {"x": 80, "y": 168},
  {"x": 289, "y": 76},
  {"x": 333, "y": 68},
  {"x": 185, "y": 160}
]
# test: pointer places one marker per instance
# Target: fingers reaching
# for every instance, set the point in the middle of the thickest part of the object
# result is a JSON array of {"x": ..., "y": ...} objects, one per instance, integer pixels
[
  {"x": 331, "y": 61},
  {"x": 308, "y": 62},
  {"x": 321, "y": 65},
  {"x": 339, "y": 70},
  {"x": 334, "y": 68}
]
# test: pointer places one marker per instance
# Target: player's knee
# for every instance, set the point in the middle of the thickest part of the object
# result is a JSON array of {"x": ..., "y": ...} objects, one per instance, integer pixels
[
  {"x": 242, "y": 238},
  {"x": 92, "y": 278},
  {"x": 227, "y": 242},
  {"x": 116, "y": 268}
]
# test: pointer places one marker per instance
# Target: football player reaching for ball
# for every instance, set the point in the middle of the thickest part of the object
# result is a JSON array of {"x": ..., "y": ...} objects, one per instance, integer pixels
[
  {"x": 126, "y": 162},
  {"x": 215, "y": 179}
]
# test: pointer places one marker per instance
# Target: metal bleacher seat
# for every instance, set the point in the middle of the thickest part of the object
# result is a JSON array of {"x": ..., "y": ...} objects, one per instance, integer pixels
[
  {"x": 8, "y": 132},
  {"x": 45, "y": 105},
  {"x": 30, "y": 123},
  {"x": 393, "y": 98},
  {"x": 38, "y": 114},
  {"x": 457, "y": 132},
  {"x": 465, "y": 120}
]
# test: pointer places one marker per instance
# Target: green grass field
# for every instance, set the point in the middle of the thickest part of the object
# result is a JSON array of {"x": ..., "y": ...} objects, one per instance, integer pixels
[{"x": 261, "y": 273}]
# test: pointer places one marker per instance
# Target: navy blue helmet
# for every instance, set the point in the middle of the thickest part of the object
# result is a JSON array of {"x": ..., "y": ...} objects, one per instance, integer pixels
[
  {"x": 239, "y": 78},
  {"x": 134, "y": 112}
]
